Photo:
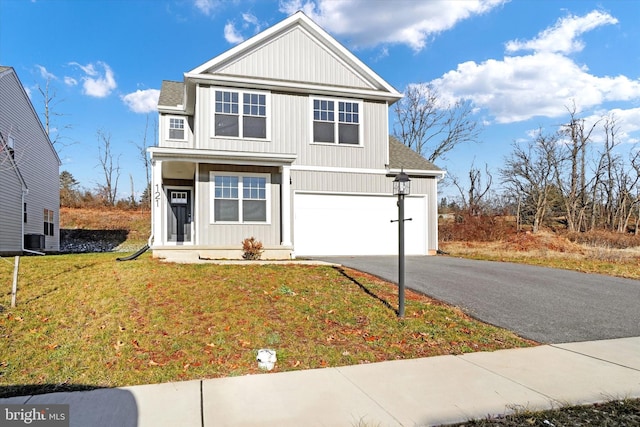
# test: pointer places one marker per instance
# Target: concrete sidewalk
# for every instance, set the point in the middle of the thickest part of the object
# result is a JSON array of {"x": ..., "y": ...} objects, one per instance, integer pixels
[{"x": 417, "y": 392}]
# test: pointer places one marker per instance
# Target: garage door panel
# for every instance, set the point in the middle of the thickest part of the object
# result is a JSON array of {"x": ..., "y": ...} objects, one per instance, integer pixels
[{"x": 356, "y": 225}]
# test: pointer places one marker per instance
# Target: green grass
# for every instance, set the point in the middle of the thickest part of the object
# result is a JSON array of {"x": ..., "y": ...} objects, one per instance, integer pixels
[
  {"x": 89, "y": 321},
  {"x": 614, "y": 413}
]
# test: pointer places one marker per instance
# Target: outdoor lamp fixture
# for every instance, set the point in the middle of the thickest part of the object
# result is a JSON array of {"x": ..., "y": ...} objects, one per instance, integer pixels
[{"x": 401, "y": 188}]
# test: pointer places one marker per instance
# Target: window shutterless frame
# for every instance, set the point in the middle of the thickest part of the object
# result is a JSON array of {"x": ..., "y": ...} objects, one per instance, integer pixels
[
  {"x": 240, "y": 198},
  {"x": 336, "y": 121},
  {"x": 240, "y": 113},
  {"x": 177, "y": 128}
]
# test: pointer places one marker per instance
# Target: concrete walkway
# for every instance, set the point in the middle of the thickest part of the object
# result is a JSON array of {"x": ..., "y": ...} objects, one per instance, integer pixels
[{"x": 418, "y": 392}]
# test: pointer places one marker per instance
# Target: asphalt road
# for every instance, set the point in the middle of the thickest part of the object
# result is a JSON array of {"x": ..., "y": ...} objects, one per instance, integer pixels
[{"x": 543, "y": 304}]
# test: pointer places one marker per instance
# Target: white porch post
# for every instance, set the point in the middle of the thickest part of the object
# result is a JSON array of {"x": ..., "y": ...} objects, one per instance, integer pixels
[
  {"x": 156, "y": 202},
  {"x": 285, "y": 196}
]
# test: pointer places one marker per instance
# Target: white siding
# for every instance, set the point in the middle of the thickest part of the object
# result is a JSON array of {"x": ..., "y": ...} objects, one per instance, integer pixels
[
  {"x": 290, "y": 123},
  {"x": 163, "y": 132},
  {"x": 232, "y": 235},
  {"x": 35, "y": 157},
  {"x": 297, "y": 57},
  {"x": 10, "y": 208}
]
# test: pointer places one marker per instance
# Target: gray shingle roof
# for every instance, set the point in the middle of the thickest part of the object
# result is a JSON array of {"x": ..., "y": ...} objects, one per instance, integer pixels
[
  {"x": 171, "y": 94},
  {"x": 403, "y": 157}
]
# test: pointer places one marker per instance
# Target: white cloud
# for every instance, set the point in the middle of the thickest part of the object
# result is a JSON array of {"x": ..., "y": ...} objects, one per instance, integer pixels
[
  {"x": 406, "y": 22},
  {"x": 543, "y": 83},
  {"x": 142, "y": 101},
  {"x": 231, "y": 34},
  {"x": 250, "y": 19},
  {"x": 563, "y": 36},
  {"x": 627, "y": 124},
  {"x": 44, "y": 73},
  {"x": 206, "y": 6},
  {"x": 70, "y": 81},
  {"x": 96, "y": 83},
  {"x": 250, "y": 24}
]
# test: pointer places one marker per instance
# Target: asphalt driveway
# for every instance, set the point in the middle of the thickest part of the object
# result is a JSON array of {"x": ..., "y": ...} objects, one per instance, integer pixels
[{"x": 543, "y": 304}]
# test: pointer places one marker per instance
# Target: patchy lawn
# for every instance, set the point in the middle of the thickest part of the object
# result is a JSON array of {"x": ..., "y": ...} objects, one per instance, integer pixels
[{"x": 89, "y": 321}]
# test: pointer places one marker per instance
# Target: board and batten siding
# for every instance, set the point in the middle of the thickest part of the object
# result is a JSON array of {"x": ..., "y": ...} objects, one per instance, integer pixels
[
  {"x": 232, "y": 235},
  {"x": 294, "y": 56},
  {"x": 35, "y": 158},
  {"x": 291, "y": 124},
  {"x": 163, "y": 132}
]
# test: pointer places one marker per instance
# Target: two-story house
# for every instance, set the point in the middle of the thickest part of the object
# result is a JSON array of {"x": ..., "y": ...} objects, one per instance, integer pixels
[
  {"x": 285, "y": 138},
  {"x": 29, "y": 174}
]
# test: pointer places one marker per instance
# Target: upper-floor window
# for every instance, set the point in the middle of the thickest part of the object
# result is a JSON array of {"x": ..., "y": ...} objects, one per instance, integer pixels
[
  {"x": 176, "y": 128},
  {"x": 241, "y": 114},
  {"x": 10, "y": 144},
  {"x": 242, "y": 199},
  {"x": 336, "y": 121}
]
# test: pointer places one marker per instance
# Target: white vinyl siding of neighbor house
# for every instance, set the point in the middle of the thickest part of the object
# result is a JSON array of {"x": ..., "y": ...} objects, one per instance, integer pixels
[
  {"x": 10, "y": 208},
  {"x": 35, "y": 157}
]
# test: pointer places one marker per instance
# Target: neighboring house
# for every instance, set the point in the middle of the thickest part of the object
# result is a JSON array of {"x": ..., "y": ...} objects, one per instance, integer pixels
[
  {"x": 29, "y": 175},
  {"x": 285, "y": 138}
]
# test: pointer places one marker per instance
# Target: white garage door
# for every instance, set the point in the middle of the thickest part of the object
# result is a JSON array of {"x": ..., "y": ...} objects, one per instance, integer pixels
[{"x": 334, "y": 224}]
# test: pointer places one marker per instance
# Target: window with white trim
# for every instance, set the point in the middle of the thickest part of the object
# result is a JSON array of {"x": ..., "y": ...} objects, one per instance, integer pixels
[
  {"x": 336, "y": 121},
  {"x": 176, "y": 128},
  {"x": 240, "y": 198},
  {"x": 241, "y": 114},
  {"x": 48, "y": 222}
]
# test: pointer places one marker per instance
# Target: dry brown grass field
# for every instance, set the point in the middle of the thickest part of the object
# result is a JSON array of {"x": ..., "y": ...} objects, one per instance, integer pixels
[{"x": 496, "y": 239}]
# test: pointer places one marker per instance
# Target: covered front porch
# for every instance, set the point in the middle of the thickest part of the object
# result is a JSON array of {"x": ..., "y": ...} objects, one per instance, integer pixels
[{"x": 205, "y": 203}]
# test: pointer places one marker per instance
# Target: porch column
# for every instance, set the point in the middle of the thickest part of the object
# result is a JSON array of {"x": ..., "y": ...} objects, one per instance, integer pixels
[
  {"x": 285, "y": 201},
  {"x": 156, "y": 202}
]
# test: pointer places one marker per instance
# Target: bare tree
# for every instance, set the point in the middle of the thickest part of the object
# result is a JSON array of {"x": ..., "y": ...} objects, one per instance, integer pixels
[
  {"x": 110, "y": 168},
  {"x": 573, "y": 187},
  {"x": 50, "y": 102},
  {"x": 529, "y": 172},
  {"x": 144, "y": 156},
  {"x": 472, "y": 201},
  {"x": 431, "y": 127}
]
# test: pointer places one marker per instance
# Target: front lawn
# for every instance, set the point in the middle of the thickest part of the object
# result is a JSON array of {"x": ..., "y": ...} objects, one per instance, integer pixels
[{"x": 89, "y": 321}]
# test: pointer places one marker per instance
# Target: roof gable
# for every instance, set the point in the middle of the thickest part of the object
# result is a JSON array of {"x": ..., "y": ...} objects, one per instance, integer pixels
[
  {"x": 296, "y": 50},
  {"x": 9, "y": 73}
]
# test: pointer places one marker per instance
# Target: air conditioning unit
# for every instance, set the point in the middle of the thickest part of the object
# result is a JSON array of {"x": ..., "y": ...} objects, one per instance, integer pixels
[{"x": 34, "y": 242}]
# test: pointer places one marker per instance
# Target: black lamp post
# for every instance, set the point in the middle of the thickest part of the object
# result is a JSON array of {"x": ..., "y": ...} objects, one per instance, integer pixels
[{"x": 401, "y": 188}]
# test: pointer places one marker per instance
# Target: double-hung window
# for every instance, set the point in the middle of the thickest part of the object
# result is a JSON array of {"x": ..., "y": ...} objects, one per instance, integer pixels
[
  {"x": 241, "y": 114},
  {"x": 336, "y": 121},
  {"x": 176, "y": 128},
  {"x": 48, "y": 222},
  {"x": 242, "y": 199}
]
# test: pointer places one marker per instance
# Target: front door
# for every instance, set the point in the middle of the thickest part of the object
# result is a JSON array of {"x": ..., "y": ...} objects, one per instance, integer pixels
[{"x": 179, "y": 221}]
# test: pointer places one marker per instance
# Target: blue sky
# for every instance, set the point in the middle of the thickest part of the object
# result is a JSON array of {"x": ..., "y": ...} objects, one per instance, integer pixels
[{"x": 521, "y": 63}]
